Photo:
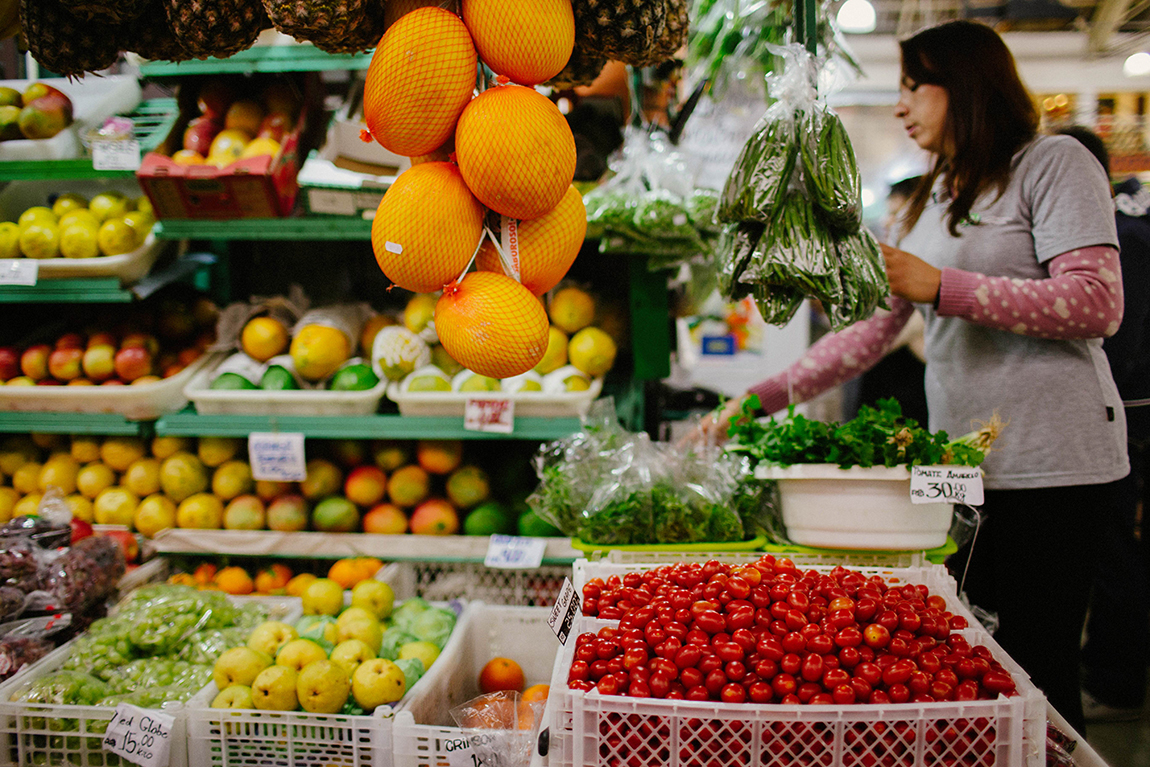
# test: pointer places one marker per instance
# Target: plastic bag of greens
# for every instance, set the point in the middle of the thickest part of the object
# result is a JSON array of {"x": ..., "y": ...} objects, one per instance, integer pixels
[
  {"x": 777, "y": 303},
  {"x": 864, "y": 280},
  {"x": 736, "y": 246},
  {"x": 393, "y": 639},
  {"x": 797, "y": 251},
  {"x": 621, "y": 510},
  {"x": 434, "y": 625},
  {"x": 830, "y": 171},
  {"x": 702, "y": 205}
]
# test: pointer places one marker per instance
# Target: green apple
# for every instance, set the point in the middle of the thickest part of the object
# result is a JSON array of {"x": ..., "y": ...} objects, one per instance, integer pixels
[
  {"x": 274, "y": 689},
  {"x": 350, "y": 653},
  {"x": 425, "y": 651},
  {"x": 374, "y": 596},
  {"x": 270, "y": 636},
  {"x": 354, "y": 613},
  {"x": 367, "y": 630},
  {"x": 239, "y": 665},
  {"x": 236, "y": 696},
  {"x": 322, "y": 687},
  {"x": 298, "y": 653},
  {"x": 376, "y": 682},
  {"x": 323, "y": 596}
]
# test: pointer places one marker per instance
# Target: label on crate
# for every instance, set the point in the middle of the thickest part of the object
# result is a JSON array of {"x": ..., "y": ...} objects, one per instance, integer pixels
[
  {"x": 277, "y": 456},
  {"x": 460, "y": 753},
  {"x": 563, "y": 614},
  {"x": 494, "y": 415},
  {"x": 19, "y": 271},
  {"x": 511, "y": 552},
  {"x": 116, "y": 155},
  {"x": 946, "y": 484},
  {"x": 139, "y": 735}
]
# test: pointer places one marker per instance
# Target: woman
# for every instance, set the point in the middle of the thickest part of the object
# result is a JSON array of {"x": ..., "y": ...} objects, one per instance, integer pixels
[{"x": 1015, "y": 270}]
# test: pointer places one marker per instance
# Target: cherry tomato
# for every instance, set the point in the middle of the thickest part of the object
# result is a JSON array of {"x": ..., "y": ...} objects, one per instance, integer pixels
[
  {"x": 744, "y": 638},
  {"x": 608, "y": 685},
  {"x": 898, "y": 646},
  {"x": 766, "y": 668},
  {"x": 865, "y": 610},
  {"x": 738, "y": 587},
  {"x": 701, "y": 606},
  {"x": 634, "y": 656},
  {"x": 795, "y": 619},
  {"x": 711, "y": 622},
  {"x": 741, "y": 617},
  {"x": 849, "y": 636},
  {"x": 966, "y": 690},
  {"x": 688, "y": 655},
  {"x": 729, "y": 651},
  {"x": 697, "y": 637},
  {"x": 876, "y": 635},
  {"x": 820, "y": 644},
  {"x": 586, "y": 652},
  {"x": 812, "y": 667},
  {"x": 941, "y": 690},
  {"x": 861, "y": 687},
  {"x": 655, "y": 633},
  {"x": 919, "y": 682},
  {"x": 715, "y": 681},
  {"x": 779, "y": 610},
  {"x": 736, "y": 670},
  {"x": 582, "y": 685},
  {"x": 946, "y": 676},
  {"x": 698, "y": 693},
  {"x": 910, "y": 621},
  {"x": 808, "y": 690},
  {"x": 614, "y": 666},
  {"x": 843, "y": 695},
  {"x": 899, "y": 693},
  {"x": 779, "y": 628},
  {"x": 870, "y": 672},
  {"x": 791, "y": 663},
  {"x": 709, "y": 663},
  {"x": 998, "y": 682},
  {"x": 760, "y": 692},
  {"x": 691, "y": 677},
  {"x": 760, "y": 596},
  {"x": 833, "y": 677},
  {"x": 794, "y": 642},
  {"x": 878, "y": 698},
  {"x": 784, "y": 684},
  {"x": 597, "y": 670}
]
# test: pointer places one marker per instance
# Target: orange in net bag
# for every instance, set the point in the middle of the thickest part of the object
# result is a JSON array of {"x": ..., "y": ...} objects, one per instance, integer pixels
[
  {"x": 529, "y": 42},
  {"x": 421, "y": 76},
  {"x": 547, "y": 246},
  {"x": 426, "y": 227},
  {"x": 491, "y": 324},
  {"x": 515, "y": 150}
]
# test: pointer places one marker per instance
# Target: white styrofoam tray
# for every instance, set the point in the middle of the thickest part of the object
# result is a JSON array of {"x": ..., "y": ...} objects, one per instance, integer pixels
[
  {"x": 856, "y": 508},
  {"x": 94, "y": 99},
  {"x": 293, "y": 402},
  {"x": 142, "y": 402},
  {"x": 528, "y": 404}
]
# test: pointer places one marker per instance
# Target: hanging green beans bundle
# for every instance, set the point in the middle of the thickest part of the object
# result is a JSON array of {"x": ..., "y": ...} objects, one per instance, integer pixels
[
  {"x": 797, "y": 250},
  {"x": 830, "y": 170},
  {"x": 735, "y": 247},
  {"x": 763, "y": 170},
  {"x": 777, "y": 303}
]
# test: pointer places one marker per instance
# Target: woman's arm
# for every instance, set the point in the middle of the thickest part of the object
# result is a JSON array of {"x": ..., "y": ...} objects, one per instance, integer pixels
[{"x": 1082, "y": 298}]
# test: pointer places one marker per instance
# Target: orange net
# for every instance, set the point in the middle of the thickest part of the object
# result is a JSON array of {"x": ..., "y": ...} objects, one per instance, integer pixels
[
  {"x": 491, "y": 324},
  {"x": 515, "y": 151},
  {"x": 547, "y": 245},
  {"x": 426, "y": 227},
  {"x": 529, "y": 42},
  {"x": 421, "y": 77}
]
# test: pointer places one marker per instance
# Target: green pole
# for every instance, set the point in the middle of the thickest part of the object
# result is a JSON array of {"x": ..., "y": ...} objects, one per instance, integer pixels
[{"x": 806, "y": 25}]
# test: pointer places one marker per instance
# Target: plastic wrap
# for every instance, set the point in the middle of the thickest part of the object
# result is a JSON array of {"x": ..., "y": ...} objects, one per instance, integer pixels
[
  {"x": 830, "y": 170},
  {"x": 17, "y": 651},
  {"x": 68, "y": 687},
  {"x": 84, "y": 575},
  {"x": 19, "y": 563},
  {"x": 763, "y": 170},
  {"x": 501, "y": 728}
]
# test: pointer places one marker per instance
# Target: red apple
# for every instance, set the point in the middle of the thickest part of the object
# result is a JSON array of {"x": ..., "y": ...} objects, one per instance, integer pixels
[
  {"x": 99, "y": 362},
  {"x": 80, "y": 529},
  {"x": 70, "y": 341},
  {"x": 64, "y": 364},
  {"x": 9, "y": 363},
  {"x": 132, "y": 362},
  {"x": 275, "y": 126},
  {"x": 127, "y": 542},
  {"x": 34, "y": 361},
  {"x": 146, "y": 341},
  {"x": 199, "y": 134},
  {"x": 102, "y": 338}
]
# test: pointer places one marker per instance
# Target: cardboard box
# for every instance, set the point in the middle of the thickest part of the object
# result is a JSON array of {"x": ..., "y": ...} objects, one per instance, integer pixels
[{"x": 257, "y": 187}]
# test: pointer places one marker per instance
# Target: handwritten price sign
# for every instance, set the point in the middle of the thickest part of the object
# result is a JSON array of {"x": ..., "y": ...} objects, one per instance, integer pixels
[
  {"x": 946, "y": 484},
  {"x": 277, "y": 456},
  {"x": 493, "y": 415},
  {"x": 564, "y": 612},
  {"x": 142, "y": 737},
  {"x": 510, "y": 552}
]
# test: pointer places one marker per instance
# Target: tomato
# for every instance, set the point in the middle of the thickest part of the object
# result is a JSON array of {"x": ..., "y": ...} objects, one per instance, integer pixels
[
  {"x": 701, "y": 606},
  {"x": 691, "y": 677},
  {"x": 849, "y": 657},
  {"x": 941, "y": 690},
  {"x": 669, "y": 648},
  {"x": 697, "y": 637},
  {"x": 738, "y": 587},
  {"x": 842, "y": 603},
  {"x": 947, "y": 676},
  {"x": 597, "y": 670},
  {"x": 608, "y": 685},
  {"x": 611, "y": 613},
  {"x": 888, "y": 619},
  {"x": 741, "y": 617},
  {"x": 634, "y": 656},
  {"x": 711, "y": 622},
  {"x": 870, "y": 672},
  {"x": 688, "y": 655},
  {"x": 766, "y": 668},
  {"x": 784, "y": 684},
  {"x": 579, "y": 670},
  {"x": 791, "y": 663},
  {"x": 898, "y": 646},
  {"x": 639, "y": 674},
  {"x": 998, "y": 682},
  {"x": 957, "y": 623},
  {"x": 899, "y": 693},
  {"x": 841, "y": 619},
  {"x": 878, "y": 698},
  {"x": 760, "y": 596},
  {"x": 779, "y": 628},
  {"x": 820, "y": 644},
  {"x": 812, "y": 667},
  {"x": 744, "y": 638},
  {"x": 779, "y": 610},
  {"x": 587, "y": 652},
  {"x": 843, "y": 695},
  {"x": 581, "y": 684},
  {"x": 760, "y": 692},
  {"x": 834, "y": 677},
  {"x": 614, "y": 666},
  {"x": 919, "y": 682},
  {"x": 735, "y": 670},
  {"x": 861, "y": 687},
  {"x": 808, "y": 690},
  {"x": 865, "y": 610},
  {"x": 794, "y": 642},
  {"x": 655, "y": 633},
  {"x": 795, "y": 619},
  {"x": 698, "y": 693},
  {"x": 848, "y": 636},
  {"x": 715, "y": 681},
  {"x": 966, "y": 690},
  {"x": 876, "y": 635},
  {"x": 910, "y": 621},
  {"x": 709, "y": 663},
  {"x": 729, "y": 651}
]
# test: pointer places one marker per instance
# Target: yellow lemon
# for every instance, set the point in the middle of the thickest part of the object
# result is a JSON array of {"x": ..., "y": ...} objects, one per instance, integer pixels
[
  {"x": 556, "y": 355},
  {"x": 40, "y": 240},
  {"x": 59, "y": 471},
  {"x": 81, "y": 507},
  {"x": 68, "y": 202},
  {"x": 261, "y": 146},
  {"x": 115, "y": 506},
  {"x": 264, "y": 338},
  {"x": 120, "y": 452},
  {"x": 79, "y": 240},
  {"x": 182, "y": 475},
  {"x": 164, "y": 447},
  {"x": 108, "y": 205},
  {"x": 155, "y": 513},
  {"x": 37, "y": 215},
  {"x": 141, "y": 222},
  {"x": 144, "y": 205},
  {"x": 8, "y": 499},
  {"x": 572, "y": 310},
  {"x": 318, "y": 350},
  {"x": 9, "y": 240},
  {"x": 592, "y": 351},
  {"x": 27, "y": 506},
  {"x": 201, "y": 511},
  {"x": 85, "y": 449},
  {"x": 94, "y": 479},
  {"x": 214, "y": 451},
  {"x": 26, "y": 479},
  {"x": 116, "y": 237},
  {"x": 143, "y": 477}
]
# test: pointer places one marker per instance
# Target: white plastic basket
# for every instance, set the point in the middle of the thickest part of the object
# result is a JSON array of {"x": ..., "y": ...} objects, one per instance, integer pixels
[
  {"x": 143, "y": 402},
  {"x": 233, "y": 737},
  {"x": 93, "y": 100},
  {"x": 424, "y": 734},
  {"x": 528, "y": 404},
  {"x": 1007, "y": 732},
  {"x": 475, "y": 581},
  {"x": 297, "y": 402},
  {"x": 856, "y": 508}
]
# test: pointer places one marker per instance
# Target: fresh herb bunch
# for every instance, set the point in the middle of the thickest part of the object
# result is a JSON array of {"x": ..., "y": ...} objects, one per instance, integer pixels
[{"x": 878, "y": 436}]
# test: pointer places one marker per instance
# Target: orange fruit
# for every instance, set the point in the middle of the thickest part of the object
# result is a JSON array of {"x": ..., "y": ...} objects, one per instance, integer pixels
[
  {"x": 182, "y": 579},
  {"x": 263, "y": 338},
  {"x": 421, "y": 76},
  {"x": 528, "y": 42},
  {"x": 205, "y": 573},
  {"x": 515, "y": 151},
  {"x": 318, "y": 351},
  {"x": 548, "y": 245},
  {"x": 346, "y": 572},
  {"x": 535, "y": 692},
  {"x": 426, "y": 227},
  {"x": 273, "y": 579},
  {"x": 501, "y": 674},
  {"x": 234, "y": 580},
  {"x": 492, "y": 325},
  {"x": 297, "y": 585}
]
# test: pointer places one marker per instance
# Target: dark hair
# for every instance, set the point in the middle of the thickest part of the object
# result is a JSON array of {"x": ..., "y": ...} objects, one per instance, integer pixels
[
  {"x": 1091, "y": 141},
  {"x": 990, "y": 114},
  {"x": 905, "y": 187}
]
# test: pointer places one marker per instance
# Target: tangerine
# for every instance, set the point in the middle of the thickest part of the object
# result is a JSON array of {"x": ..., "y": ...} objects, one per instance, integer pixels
[
  {"x": 516, "y": 151},
  {"x": 501, "y": 674},
  {"x": 426, "y": 227},
  {"x": 528, "y": 42},
  {"x": 234, "y": 580},
  {"x": 264, "y": 338},
  {"x": 273, "y": 578},
  {"x": 346, "y": 572},
  {"x": 492, "y": 325},
  {"x": 548, "y": 245},
  {"x": 536, "y": 692},
  {"x": 421, "y": 76}
]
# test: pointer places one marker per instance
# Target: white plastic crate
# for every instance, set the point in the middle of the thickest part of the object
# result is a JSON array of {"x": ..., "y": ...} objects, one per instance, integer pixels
[
  {"x": 424, "y": 734},
  {"x": 473, "y": 580},
  {"x": 854, "y": 559},
  {"x": 234, "y": 737},
  {"x": 528, "y": 404},
  {"x": 210, "y": 401},
  {"x": 609, "y": 730}
]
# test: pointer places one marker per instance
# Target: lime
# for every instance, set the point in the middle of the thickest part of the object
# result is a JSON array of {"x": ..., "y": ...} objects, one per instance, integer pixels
[
  {"x": 80, "y": 215},
  {"x": 531, "y": 526},
  {"x": 108, "y": 205},
  {"x": 116, "y": 237},
  {"x": 358, "y": 377},
  {"x": 9, "y": 240},
  {"x": 40, "y": 240},
  {"x": 231, "y": 381},
  {"x": 489, "y": 518},
  {"x": 68, "y": 202},
  {"x": 78, "y": 240},
  {"x": 278, "y": 378},
  {"x": 37, "y": 215}
]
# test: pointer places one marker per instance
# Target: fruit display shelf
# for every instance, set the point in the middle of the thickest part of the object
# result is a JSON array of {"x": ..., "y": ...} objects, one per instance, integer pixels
[
  {"x": 293, "y": 228},
  {"x": 105, "y": 424},
  {"x": 421, "y": 548},
  {"x": 299, "y": 57},
  {"x": 97, "y": 290}
]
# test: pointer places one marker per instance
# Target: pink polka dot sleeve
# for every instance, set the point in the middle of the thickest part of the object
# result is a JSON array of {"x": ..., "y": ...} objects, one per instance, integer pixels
[
  {"x": 835, "y": 358},
  {"x": 1082, "y": 298}
]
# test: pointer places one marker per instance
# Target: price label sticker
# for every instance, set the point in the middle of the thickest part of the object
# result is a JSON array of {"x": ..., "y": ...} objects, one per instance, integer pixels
[
  {"x": 19, "y": 271},
  {"x": 277, "y": 456},
  {"x": 139, "y": 735},
  {"x": 116, "y": 155},
  {"x": 946, "y": 484},
  {"x": 511, "y": 552},
  {"x": 564, "y": 612},
  {"x": 492, "y": 415},
  {"x": 460, "y": 752}
]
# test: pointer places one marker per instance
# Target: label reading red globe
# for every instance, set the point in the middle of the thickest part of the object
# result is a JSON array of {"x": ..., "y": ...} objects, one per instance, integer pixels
[{"x": 141, "y": 736}]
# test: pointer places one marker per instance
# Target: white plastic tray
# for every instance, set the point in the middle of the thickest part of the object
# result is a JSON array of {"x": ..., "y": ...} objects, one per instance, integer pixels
[
  {"x": 94, "y": 99},
  {"x": 529, "y": 404},
  {"x": 294, "y": 402},
  {"x": 143, "y": 402},
  {"x": 856, "y": 508}
]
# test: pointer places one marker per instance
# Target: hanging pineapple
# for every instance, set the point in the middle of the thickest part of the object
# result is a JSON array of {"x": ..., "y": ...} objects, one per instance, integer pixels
[
  {"x": 218, "y": 28},
  {"x": 636, "y": 32},
  {"x": 64, "y": 43}
]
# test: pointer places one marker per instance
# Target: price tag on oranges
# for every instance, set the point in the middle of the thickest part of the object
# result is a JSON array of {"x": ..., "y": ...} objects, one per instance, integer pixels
[
  {"x": 277, "y": 456},
  {"x": 493, "y": 415},
  {"x": 510, "y": 552}
]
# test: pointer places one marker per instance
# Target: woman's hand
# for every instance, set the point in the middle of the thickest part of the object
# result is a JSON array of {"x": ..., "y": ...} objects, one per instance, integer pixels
[
  {"x": 712, "y": 428},
  {"x": 911, "y": 277}
]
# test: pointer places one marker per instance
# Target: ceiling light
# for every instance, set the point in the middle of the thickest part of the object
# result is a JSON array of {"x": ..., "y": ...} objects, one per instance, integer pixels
[
  {"x": 1137, "y": 65},
  {"x": 856, "y": 17}
]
